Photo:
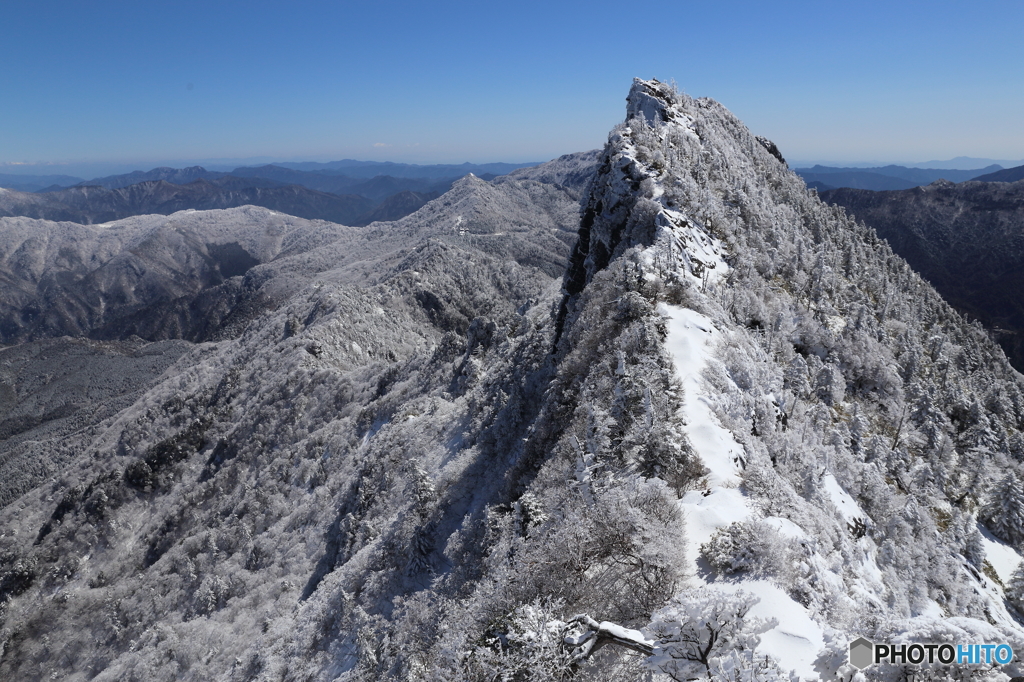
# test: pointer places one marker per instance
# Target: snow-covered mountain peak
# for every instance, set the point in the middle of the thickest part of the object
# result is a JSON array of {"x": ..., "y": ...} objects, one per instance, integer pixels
[
  {"x": 652, "y": 100},
  {"x": 780, "y": 298}
]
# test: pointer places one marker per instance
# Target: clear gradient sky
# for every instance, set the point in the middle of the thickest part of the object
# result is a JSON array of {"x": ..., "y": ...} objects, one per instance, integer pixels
[{"x": 437, "y": 82}]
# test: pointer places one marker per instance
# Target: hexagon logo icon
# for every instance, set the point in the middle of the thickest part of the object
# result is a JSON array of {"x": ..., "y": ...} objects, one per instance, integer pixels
[{"x": 861, "y": 653}]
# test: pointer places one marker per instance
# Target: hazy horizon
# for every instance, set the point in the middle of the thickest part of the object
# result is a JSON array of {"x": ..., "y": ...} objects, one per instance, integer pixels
[
  {"x": 124, "y": 83},
  {"x": 88, "y": 171}
]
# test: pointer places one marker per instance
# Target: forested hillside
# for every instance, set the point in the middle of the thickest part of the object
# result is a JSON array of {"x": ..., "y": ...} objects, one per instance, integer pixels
[{"x": 966, "y": 239}]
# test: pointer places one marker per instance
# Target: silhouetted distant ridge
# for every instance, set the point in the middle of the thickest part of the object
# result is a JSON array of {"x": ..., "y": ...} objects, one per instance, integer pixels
[
  {"x": 370, "y": 169},
  {"x": 91, "y": 204},
  {"x": 177, "y": 176},
  {"x": 348, "y": 192},
  {"x": 1005, "y": 175},
  {"x": 377, "y": 188},
  {"x": 889, "y": 177},
  {"x": 398, "y": 206},
  {"x": 36, "y": 183},
  {"x": 854, "y": 179}
]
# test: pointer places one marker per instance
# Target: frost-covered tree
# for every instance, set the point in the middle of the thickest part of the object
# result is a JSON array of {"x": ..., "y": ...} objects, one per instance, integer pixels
[
  {"x": 751, "y": 547},
  {"x": 707, "y": 634},
  {"x": 1015, "y": 588},
  {"x": 1003, "y": 513}
]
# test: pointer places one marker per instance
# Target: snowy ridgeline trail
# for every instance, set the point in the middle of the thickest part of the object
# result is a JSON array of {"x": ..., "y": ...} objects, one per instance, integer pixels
[{"x": 797, "y": 639}]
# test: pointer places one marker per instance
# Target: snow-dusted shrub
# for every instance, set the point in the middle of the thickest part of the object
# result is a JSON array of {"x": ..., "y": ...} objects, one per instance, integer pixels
[
  {"x": 614, "y": 550},
  {"x": 752, "y": 547},
  {"x": 830, "y": 385},
  {"x": 525, "y": 645},
  {"x": 706, "y": 634}
]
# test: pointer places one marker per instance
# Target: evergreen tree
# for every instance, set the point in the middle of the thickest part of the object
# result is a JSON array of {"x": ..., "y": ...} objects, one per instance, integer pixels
[
  {"x": 1004, "y": 511},
  {"x": 1015, "y": 588}
]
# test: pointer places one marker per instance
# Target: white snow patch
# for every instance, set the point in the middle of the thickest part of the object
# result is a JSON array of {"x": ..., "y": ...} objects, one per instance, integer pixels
[
  {"x": 835, "y": 323},
  {"x": 706, "y": 514},
  {"x": 796, "y": 640},
  {"x": 625, "y": 633},
  {"x": 689, "y": 335},
  {"x": 846, "y": 505},
  {"x": 786, "y": 527},
  {"x": 1004, "y": 559},
  {"x": 932, "y": 610}
]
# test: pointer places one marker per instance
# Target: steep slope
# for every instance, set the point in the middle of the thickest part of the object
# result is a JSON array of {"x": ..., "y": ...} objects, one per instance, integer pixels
[
  {"x": 429, "y": 457},
  {"x": 397, "y": 206},
  {"x": 850, "y": 390},
  {"x": 966, "y": 239},
  {"x": 52, "y": 390}
]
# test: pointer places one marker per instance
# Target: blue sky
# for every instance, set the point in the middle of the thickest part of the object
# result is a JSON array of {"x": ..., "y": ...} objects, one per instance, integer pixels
[{"x": 426, "y": 82}]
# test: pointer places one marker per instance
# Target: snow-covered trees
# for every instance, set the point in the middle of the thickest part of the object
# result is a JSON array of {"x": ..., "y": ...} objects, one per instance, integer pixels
[
  {"x": 617, "y": 554},
  {"x": 1003, "y": 513},
  {"x": 1015, "y": 588},
  {"x": 708, "y": 634}
]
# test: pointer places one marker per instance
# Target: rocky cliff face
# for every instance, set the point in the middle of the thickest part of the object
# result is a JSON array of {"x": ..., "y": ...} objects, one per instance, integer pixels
[{"x": 704, "y": 400}]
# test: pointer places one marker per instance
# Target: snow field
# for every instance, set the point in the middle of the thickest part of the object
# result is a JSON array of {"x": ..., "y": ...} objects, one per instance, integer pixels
[
  {"x": 1003, "y": 557},
  {"x": 846, "y": 505}
]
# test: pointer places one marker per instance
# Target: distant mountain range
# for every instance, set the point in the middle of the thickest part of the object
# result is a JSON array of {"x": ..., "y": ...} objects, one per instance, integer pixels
[
  {"x": 958, "y": 163},
  {"x": 96, "y": 204},
  {"x": 371, "y": 169},
  {"x": 347, "y": 192},
  {"x": 885, "y": 177},
  {"x": 349, "y": 168},
  {"x": 967, "y": 162},
  {"x": 34, "y": 183},
  {"x": 377, "y": 188}
]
